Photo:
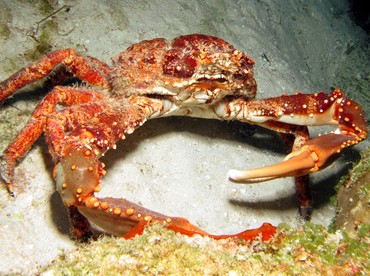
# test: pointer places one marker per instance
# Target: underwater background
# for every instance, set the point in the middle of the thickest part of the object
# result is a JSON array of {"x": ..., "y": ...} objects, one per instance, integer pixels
[{"x": 178, "y": 166}]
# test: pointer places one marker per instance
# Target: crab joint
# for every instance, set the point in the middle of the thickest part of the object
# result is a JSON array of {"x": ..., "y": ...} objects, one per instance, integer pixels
[{"x": 80, "y": 171}]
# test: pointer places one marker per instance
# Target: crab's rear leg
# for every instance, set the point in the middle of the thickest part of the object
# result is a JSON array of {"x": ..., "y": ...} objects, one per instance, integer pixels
[{"x": 86, "y": 68}]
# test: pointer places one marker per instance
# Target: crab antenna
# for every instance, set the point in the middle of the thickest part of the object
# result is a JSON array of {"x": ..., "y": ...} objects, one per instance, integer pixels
[{"x": 300, "y": 163}]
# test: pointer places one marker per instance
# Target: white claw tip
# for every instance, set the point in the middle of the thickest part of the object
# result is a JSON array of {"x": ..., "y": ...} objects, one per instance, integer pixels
[
  {"x": 249, "y": 176},
  {"x": 236, "y": 175}
]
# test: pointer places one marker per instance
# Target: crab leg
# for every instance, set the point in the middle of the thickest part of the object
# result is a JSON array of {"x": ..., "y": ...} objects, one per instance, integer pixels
[
  {"x": 87, "y": 68},
  {"x": 301, "y": 109},
  {"x": 36, "y": 125},
  {"x": 78, "y": 178},
  {"x": 123, "y": 218}
]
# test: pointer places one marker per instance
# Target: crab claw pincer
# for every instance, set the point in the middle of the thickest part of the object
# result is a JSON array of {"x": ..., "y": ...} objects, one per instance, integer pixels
[{"x": 313, "y": 156}]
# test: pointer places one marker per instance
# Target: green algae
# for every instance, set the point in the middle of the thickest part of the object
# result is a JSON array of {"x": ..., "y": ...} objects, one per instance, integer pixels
[
  {"x": 6, "y": 18},
  {"x": 4, "y": 30},
  {"x": 10, "y": 123},
  {"x": 354, "y": 197},
  {"x": 46, "y": 7},
  {"x": 332, "y": 249},
  {"x": 310, "y": 250},
  {"x": 43, "y": 40}
]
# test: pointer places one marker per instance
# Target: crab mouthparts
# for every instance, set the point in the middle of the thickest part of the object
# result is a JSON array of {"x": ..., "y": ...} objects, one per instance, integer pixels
[{"x": 216, "y": 78}]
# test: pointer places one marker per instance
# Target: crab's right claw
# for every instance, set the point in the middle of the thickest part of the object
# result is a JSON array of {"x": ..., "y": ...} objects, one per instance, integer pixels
[
  {"x": 297, "y": 165},
  {"x": 311, "y": 157},
  {"x": 314, "y": 155}
]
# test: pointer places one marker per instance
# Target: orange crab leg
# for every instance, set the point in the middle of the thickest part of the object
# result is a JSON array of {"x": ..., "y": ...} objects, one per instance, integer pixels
[
  {"x": 64, "y": 96},
  {"x": 78, "y": 179},
  {"x": 123, "y": 218},
  {"x": 87, "y": 68},
  {"x": 319, "y": 109}
]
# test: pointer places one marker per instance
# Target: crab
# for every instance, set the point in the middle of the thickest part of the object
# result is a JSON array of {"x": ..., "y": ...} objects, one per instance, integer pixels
[{"x": 192, "y": 75}]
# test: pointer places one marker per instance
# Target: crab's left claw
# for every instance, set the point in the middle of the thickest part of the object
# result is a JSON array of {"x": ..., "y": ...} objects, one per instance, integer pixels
[{"x": 316, "y": 153}]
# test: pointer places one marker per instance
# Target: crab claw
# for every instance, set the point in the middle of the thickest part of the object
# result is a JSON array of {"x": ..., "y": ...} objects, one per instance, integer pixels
[
  {"x": 317, "y": 109},
  {"x": 300, "y": 164},
  {"x": 311, "y": 157}
]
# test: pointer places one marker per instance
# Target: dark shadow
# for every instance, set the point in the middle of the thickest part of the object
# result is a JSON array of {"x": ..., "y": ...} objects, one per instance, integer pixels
[
  {"x": 281, "y": 203},
  {"x": 360, "y": 13},
  {"x": 31, "y": 94},
  {"x": 322, "y": 190},
  {"x": 59, "y": 214}
]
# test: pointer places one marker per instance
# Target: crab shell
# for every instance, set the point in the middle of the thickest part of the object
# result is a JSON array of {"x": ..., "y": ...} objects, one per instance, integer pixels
[{"x": 190, "y": 70}]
